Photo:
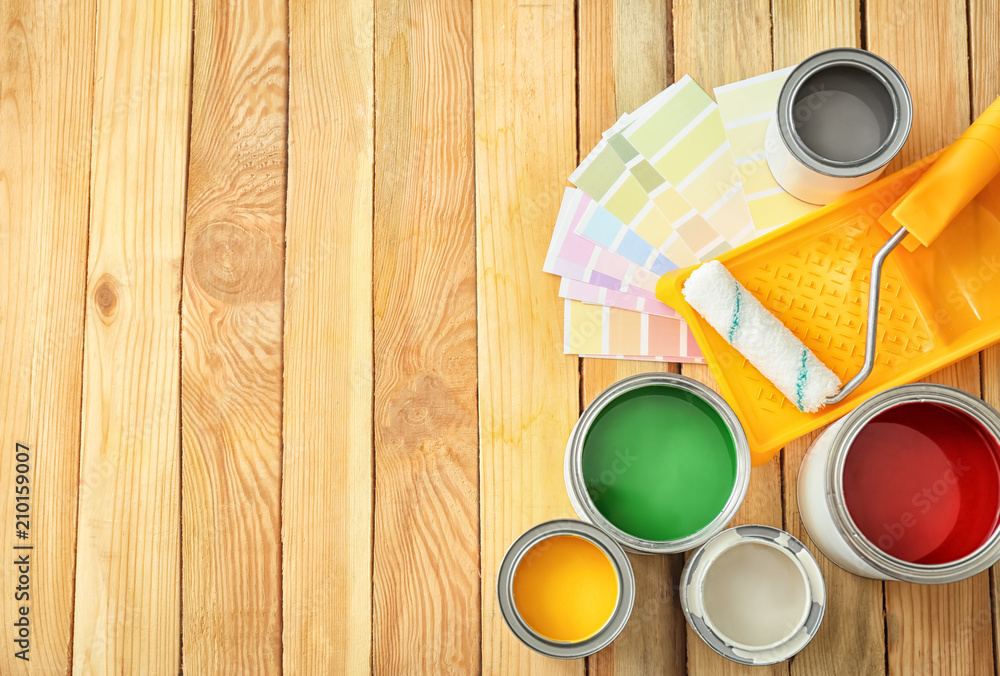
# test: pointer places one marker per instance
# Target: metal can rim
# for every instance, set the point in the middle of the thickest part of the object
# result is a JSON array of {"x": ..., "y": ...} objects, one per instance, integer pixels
[
  {"x": 878, "y": 67},
  {"x": 984, "y": 414},
  {"x": 692, "y": 578},
  {"x": 576, "y": 487},
  {"x": 505, "y": 588}
]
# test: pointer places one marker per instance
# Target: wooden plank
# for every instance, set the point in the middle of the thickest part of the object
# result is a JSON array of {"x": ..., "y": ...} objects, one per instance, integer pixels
[
  {"x": 933, "y": 628},
  {"x": 654, "y": 640},
  {"x": 426, "y": 576},
  {"x": 852, "y": 639},
  {"x": 984, "y": 63},
  {"x": 619, "y": 70},
  {"x": 719, "y": 42},
  {"x": 232, "y": 339},
  {"x": 524, "y": 80},
  {"x": 984, "y": 55},
  {"x": 643, "y": 49},
  {"x": 327, "y": 417},
  {"x": 926, "y": 42},
  {"x": 596, "y": 68},
  {"x": 942, "y": 629},
  {"x": 46, "y": 96},
  {"x": 762, "y": 505},
  {"x": 804, "y": 27},
  {"x": 128, "y": 560}
]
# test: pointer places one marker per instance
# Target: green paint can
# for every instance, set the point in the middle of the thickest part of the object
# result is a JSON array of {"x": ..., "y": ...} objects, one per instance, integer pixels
[{"x": 658, "y": 461}]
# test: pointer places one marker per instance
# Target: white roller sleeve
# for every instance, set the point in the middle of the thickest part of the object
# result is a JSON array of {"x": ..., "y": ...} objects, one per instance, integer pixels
[{"x": 760, "y": 337}]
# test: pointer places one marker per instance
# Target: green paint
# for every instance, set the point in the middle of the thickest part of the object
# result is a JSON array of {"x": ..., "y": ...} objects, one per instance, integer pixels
[{"x": 659, "y": 463}]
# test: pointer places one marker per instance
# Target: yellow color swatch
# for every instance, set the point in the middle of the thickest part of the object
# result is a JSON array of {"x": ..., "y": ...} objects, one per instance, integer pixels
[{"x": 746, "y": 108}]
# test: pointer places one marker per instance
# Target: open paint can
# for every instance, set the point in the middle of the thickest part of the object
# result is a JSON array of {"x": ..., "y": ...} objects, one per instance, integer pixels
[
  {"x": 907, "y": 486},
  {"x": 842, "y": 114},
  {"x": 658, "y": 461},
  {"x": 566, "y": 589},
  {"x": 754, "y": 594}
]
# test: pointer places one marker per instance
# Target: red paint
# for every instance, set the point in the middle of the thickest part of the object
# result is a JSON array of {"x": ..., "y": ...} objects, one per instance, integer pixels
[{"x": 922, "y": 482}]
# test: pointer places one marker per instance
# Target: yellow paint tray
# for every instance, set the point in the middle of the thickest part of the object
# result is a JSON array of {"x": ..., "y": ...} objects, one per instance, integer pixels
[{"x": 939, "y": 303}]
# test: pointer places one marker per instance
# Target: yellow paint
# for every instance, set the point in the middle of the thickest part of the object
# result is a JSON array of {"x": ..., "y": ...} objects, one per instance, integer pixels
[{"x": 565, "y": 588}]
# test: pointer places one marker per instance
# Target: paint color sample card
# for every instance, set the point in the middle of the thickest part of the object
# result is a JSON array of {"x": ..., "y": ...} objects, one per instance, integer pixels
[
  {"x": 689, "y": 225},
  {"x": 599, "y": 295},
  {"x": 575, "y": 257},
  {"x": 746, "y": 108},
  {"x": 600, "y": 227},
  {"x": 606, "y": 331},
  {"x": 605, "y": 178},
  {"x": 680, "y": 132},
  {"x": 596, "y": 224},
  {"x": 633, "y": 357}
]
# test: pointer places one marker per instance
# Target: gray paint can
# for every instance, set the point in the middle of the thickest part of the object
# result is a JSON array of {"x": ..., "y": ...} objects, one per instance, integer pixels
[{"x": 842, "y": 115}]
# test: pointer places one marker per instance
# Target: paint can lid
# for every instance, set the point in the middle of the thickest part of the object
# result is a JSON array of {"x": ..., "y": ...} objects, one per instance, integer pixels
[{"x": 798, "y": 613}]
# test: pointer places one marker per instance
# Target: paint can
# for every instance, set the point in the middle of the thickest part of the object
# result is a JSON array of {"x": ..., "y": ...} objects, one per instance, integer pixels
[
  {"x": 566, "y": 589},
  {"x": 754, "y": 594},
  {"x": 658, "y": 461},
  {"x": 907, "y": 486},
  {"x": 842, "y": 115}
]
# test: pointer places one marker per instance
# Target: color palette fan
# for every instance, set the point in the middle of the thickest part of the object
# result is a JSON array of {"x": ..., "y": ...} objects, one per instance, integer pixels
[{"x": 678, "y": 181}]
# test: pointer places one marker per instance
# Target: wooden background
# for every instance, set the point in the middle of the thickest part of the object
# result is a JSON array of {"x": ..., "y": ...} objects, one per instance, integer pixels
[{"x": 275, "y": 328}]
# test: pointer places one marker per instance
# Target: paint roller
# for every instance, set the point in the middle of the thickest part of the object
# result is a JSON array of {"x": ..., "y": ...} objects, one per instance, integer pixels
[{"x": 950, "y": 184}]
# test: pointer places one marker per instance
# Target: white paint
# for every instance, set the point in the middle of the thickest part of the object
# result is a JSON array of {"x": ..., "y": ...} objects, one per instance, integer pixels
[{"x": 755, "y": 594}]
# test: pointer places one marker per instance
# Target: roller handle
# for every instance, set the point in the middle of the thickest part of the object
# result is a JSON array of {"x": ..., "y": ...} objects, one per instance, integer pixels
[{"x": 952, "y": 182}]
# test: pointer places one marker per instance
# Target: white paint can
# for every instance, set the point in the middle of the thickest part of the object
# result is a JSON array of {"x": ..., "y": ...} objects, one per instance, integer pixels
[
  {"x": 754, "y": 594},
  {"x": 842, "y": 115}
]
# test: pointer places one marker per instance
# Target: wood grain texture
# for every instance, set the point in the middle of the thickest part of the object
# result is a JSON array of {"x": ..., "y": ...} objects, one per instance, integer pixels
[
  {"x": 804, "y": 27},
  {"x": 426, "y": 576},
  {"x": 990, "y": 373},
  {"x": 232, "y": 339},
  {"x": 852, "y": 637},
  {"x": 525, "y": 122},
  {"x": 719, "y": 42},
  {"x": 762, "y": 505},
  {"x": 46, "y": 99},
  {"x": 984, "y": 63},
  {"x": 127, "y": 617},
  {"x": 942, "y": 629},
  {"x": 643, "y": 50},
  {"x": 654, "y": 640},
  {"x": 984, "y": 56},
  {"x": 926, "y": 41},
  {"x": 596, "y": 82},
  {"x": 635, "y": 61},
  {"x": 934, "y": 629},
  {"x": 327, "y": 417}
]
